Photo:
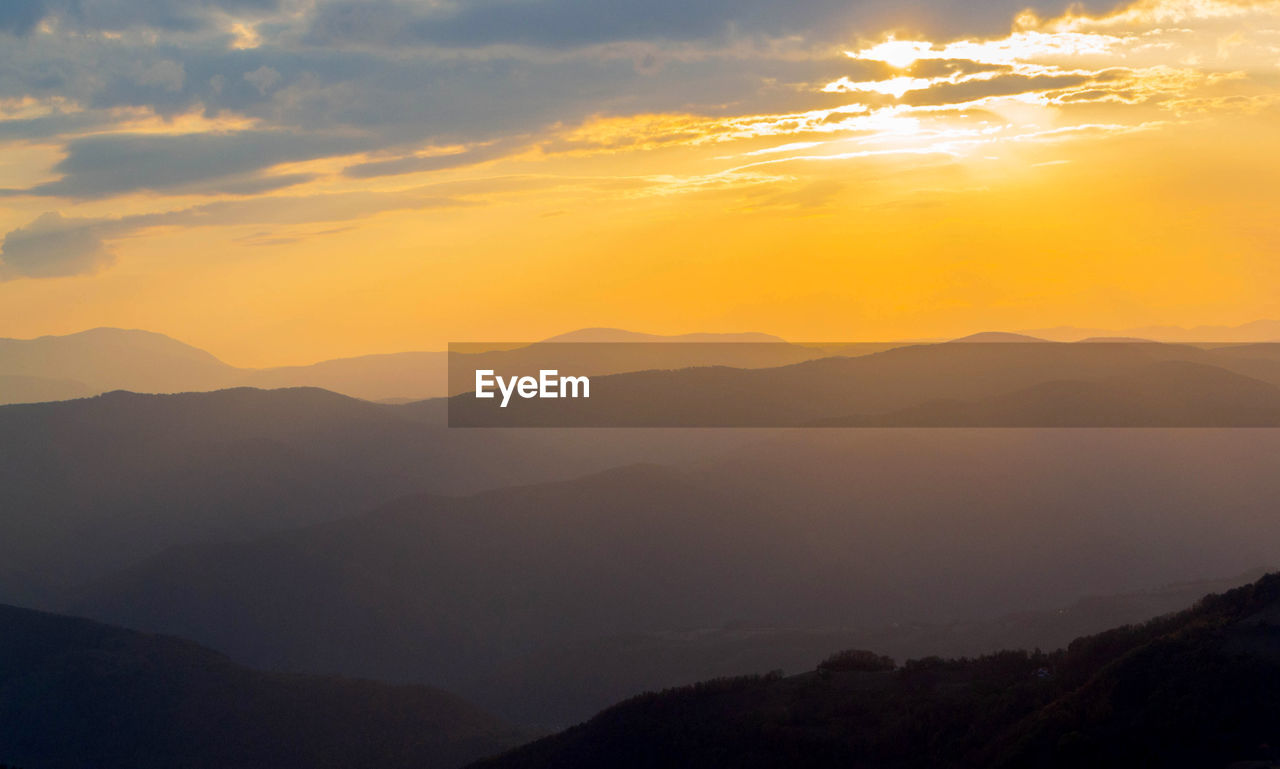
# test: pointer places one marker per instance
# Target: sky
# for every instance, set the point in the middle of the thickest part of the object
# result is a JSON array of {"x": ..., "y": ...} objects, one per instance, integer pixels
[{"x": 284, "y": 181}]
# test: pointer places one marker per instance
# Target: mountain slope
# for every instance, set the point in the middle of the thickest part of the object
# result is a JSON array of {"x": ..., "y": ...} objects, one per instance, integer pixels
[
  {"x": 617, "y": 335},
  {"x": 104, "y": 359},
  {"x": 1196, "y": 689},
  {"x": 436, "y": 588},
  {"x": 412, "y": 375},
  {"x": 563, "y": 684},
  {"x": 817, "y": 530},
  {"x": 23, "y": 388},
  {"x": 89, "y": 486},
  {"x": 75, "y": 693},
  {"x": 100, "y": 360},
  {"x": 1161, "y": 394}
]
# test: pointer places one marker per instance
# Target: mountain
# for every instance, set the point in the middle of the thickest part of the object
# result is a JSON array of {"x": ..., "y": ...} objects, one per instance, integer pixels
[
  {"x": 1195, "y": 689},
  {"x": 101, "y": 360},
  {"x": 617, "y": 335},
  {"x": 104, "y": 359},
  {"x": 1255, "y": 331},
  {"x": 20, "y": 388},
  {"x": 437, "y": 588},
  {"x": 132, "y": 474},
  {"x": 411, "y": 375},
  {"x": 1163, "y": 394},
  {"x": 596, "y": 359},
  {"x": 997, "y": 337},
  {"x": 561, "y": 684},
  {"x": 75, "y": 693},
  {"x": 90, "y": 486},
  {"x": 806, "y": 531}
]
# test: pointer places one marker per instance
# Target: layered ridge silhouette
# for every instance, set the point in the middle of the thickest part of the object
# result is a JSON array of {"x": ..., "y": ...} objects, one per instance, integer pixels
[
  {"x": 75, "y": 693},
  {"x": 101, "y": 360},
  {"x": 814, "y": 532},
  {"x": 1198, "y": 688},
  {"x": 88, "y": 486}
]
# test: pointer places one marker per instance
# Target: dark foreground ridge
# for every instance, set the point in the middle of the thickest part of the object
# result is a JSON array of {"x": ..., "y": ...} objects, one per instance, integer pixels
[
  {"x": 1196, "y": 689},
  {"x": 74, "y": 694}
]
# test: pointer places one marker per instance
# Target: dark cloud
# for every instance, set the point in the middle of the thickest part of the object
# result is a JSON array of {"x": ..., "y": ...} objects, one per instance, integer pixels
[
  {"x": 47, "y": 126},
  {"x": 100, "y": 166},
  {"x": 564, "y": 24},
  {"x": 549, "y": 23},
  {"x": 539, "y": 23},
  {"x": 53, "y": 246},
  {"x": 256, "y": 185},
  {"x": 416, "y": 164},
  {"x": 20, "y": 17}
]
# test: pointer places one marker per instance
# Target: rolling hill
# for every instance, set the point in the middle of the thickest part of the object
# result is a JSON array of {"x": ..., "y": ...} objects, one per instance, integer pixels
[
  {"x": 75, "y": 693},
  {"x": 51, "y": 368},
  {"x": 105, "y": 359},
  {"x": 813, "y": 531},
  {"x": 90, "y": 486},
  {"x": 1195, "y": 689}
]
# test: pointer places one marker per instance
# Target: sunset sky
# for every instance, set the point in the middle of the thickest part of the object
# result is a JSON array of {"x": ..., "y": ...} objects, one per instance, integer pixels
[{"x": 282, "y": 181}]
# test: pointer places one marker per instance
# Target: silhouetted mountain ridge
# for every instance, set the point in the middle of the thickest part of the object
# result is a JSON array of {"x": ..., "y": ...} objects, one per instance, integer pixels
[
  {"x": 136, "y": 473},
  {"x": 74, "y": 693},
  {"x": 1195, "y": 689},
  {"x": 99, "y": 360},
  {"x": 843, "y": 530}
]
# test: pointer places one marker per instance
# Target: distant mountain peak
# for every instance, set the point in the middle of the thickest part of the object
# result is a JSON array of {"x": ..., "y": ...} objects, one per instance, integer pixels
[
  {"x": 999, "y": 337},
  {"x": 609, "y": 335},
  {"x": 1116, "y": 340}
]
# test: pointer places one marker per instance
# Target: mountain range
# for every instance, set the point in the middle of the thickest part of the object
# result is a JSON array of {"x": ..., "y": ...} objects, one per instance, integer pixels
[
  {"x": 1195, "y": 689},
  {"x": 545, "y": 573},
  {"x": 1255, "y": 331},
  {"x": 100, "y": 360},
  {"x": 92, "y": 485},
  {"x": 807, "y": 531},
  {"x": 75, "y": 693}
]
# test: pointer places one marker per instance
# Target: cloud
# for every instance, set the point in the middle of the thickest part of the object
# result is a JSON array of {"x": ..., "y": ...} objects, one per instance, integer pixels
[
  {"x": 164, "y": 73},
  {"x": 101, "y": 166},
  {"x": 53, "y": 246},
  {"x": 436, "y": 162},
  {"x": 547, "y": 23},
  {"x": 20, "y": 17},
  {"x": 263, "y": 78},
  {"x": 562, "y": 24}
]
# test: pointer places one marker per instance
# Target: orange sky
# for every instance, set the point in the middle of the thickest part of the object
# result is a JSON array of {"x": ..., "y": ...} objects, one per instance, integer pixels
[{"x": 1103, "y": 171}]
